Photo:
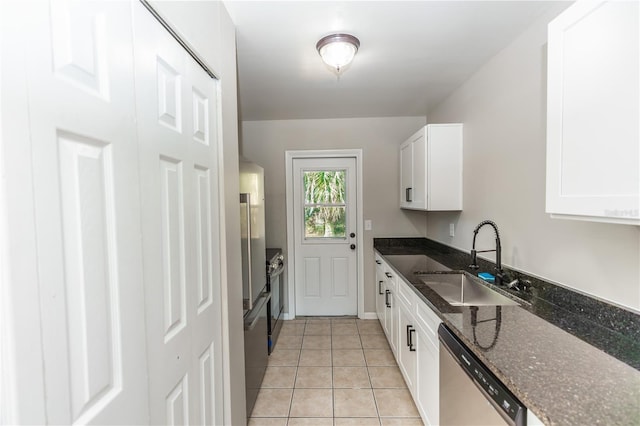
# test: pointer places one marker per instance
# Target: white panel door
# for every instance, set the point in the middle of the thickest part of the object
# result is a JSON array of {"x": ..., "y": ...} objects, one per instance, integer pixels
[
  {"x": 177, "y": 127},
  {"x": 325, "y": 218},
  {"x": 86, "y": 202}
]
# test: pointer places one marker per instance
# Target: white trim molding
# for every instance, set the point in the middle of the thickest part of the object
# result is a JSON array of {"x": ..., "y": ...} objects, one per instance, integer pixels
[{"x": 330, "y": 153}]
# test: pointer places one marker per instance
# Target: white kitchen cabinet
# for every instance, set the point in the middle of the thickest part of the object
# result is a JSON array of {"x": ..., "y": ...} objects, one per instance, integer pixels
[
  {"x": 386, "y": 302},
  {"x": 427, "y": 385},
  {"x": 391, "y": 312},
  {"x": 593, "y": 113},
  {"x": 411, "y": 188},
  {"x": 411, "y": 328},
  {"x": 380, "y": 291},
  {"x": 406, "y": 348},
  {"x": 431, "y": 168}
]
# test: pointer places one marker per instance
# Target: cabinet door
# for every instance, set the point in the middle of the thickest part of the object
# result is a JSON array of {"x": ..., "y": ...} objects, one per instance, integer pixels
[
  {"x": 593, "y": 124},
  {"x": 391, "y": 311},
  {"x": 427, "y": 384},
  {"x": 444, "y": 167},
  {"x": 406, "y": 174},
  {"x": 388, "y": 299},
  {"x": 419, "y": 193},
  {"x": 393, "y": 322},
  {"x": 406, "y": 346},
  {"x": 380, "y": 288},
  {"x": 385, "y": 316}
]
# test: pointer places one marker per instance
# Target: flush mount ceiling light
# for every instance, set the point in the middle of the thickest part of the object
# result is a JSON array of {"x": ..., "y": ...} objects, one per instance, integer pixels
[{"x": 338, "y": 50}]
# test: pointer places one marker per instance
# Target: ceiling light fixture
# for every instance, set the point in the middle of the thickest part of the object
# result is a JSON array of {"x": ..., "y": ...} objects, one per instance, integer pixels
[{"x": 338, "y": 50}]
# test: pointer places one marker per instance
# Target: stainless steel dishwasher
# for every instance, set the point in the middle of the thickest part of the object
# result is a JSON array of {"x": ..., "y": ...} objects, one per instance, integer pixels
[{"x": 469, "y": 393}]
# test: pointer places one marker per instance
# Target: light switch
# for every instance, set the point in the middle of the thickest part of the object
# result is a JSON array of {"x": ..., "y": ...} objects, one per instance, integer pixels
[
  {"x": 367, "y": 225},
  {"x": 452, "y": 230}
]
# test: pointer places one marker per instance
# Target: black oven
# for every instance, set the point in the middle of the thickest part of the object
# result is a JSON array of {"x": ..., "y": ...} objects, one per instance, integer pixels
[{"x": 275, "y": 285}]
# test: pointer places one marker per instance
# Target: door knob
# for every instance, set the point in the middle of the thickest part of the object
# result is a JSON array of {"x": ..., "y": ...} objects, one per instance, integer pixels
[
  {"x": 353, "y": 246},
  {"x": 352, "y": 235}
]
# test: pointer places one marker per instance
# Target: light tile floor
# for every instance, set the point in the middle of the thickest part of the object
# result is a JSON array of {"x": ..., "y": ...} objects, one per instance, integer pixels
[{"x": 333, "y": 371}]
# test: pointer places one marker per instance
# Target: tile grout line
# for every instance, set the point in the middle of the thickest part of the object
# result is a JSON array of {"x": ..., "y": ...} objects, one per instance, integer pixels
[
  {"x": 332, "y": 366},
  {"x": 373, "y": 394}
]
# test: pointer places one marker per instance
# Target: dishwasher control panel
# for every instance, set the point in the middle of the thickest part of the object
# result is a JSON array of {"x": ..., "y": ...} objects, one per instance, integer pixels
[{"x": 507, "y": 405}]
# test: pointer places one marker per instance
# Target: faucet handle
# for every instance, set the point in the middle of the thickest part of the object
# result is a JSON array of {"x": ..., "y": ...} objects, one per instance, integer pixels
[
  {"x": 474, "y": 259},
  {"x": 519, "y": 284}
]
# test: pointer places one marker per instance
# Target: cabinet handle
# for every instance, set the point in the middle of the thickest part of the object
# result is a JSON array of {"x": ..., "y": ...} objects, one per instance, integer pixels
[
  {"x": 407, "y": 194},
  {"x": 408, "y": 336},
  {"x": 380, "y": 287},
  {"x": 386, "y": 298},
  {"x": 388, "y": 275},
  {"x": 412, "y": 330},
  {"x": 378, "y": 262}
]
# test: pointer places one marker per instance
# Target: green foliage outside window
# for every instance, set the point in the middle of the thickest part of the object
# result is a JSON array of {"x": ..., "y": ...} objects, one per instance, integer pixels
[{"x": 324, "y": 199}]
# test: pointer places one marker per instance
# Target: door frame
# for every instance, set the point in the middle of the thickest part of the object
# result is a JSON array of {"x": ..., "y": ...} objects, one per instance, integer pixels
[{"x": 328, "y": 153}]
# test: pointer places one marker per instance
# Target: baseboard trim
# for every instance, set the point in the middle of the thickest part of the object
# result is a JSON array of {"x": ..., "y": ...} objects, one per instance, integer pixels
[{"x": 367, "y": 315}]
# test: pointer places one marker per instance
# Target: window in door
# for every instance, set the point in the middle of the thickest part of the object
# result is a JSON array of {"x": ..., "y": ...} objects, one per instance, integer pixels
[{"x": 325, "y": 210}]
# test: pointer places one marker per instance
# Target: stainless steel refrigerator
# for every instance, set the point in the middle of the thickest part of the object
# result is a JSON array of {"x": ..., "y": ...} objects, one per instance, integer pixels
[{"x": 255, "y": 296}]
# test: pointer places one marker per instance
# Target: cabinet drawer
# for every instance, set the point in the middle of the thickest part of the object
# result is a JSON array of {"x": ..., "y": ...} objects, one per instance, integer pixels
[
  {"x": 427, "y": 318},
  {"x": 406, "y": 295},
  {"x": 392, "y": 279}
]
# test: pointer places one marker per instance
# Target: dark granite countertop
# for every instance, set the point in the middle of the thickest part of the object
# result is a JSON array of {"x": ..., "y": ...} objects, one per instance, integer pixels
[{"x": 550, "y": 355}]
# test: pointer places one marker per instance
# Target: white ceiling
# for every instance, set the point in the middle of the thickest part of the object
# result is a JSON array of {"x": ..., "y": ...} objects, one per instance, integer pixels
[{"x": 412, "y": 53}]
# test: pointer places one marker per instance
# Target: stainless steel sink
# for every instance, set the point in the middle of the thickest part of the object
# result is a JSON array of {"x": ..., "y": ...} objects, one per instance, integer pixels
[
  {"x": 413, "y": 263},
  {"x": 460, "y": 290}
]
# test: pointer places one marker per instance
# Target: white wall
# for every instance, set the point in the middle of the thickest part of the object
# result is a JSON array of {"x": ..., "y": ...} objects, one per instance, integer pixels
[
  {"x": 207, "y": 27},
  {"x": 265, "y": 142},
  {"x": 503, "y": 108}
]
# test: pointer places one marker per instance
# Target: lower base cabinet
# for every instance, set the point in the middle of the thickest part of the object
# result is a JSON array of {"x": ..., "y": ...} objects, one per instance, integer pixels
[
  {"x": 411, "y": 329},
  {"x": 380, "y": 294},
  {"x": 409, "y": 323},
  {"x": 406, "y": 347},
  {"x": 391, "y": 320},
  {"x": 390, "y": 324},
  {"x": 427, "y": 384}
]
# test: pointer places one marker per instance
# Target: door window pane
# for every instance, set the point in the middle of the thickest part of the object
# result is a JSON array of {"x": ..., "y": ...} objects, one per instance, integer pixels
[
  {"x": 324, "y": 203},
  {"x": 324, "y": 222}
]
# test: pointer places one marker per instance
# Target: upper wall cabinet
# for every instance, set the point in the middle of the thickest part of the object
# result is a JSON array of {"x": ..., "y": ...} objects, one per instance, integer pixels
[
  {"x": 431, "y": 168},
  {"x": 593, "y": 140}
]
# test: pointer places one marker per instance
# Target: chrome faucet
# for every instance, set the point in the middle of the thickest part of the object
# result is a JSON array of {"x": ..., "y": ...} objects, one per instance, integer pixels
[{"x": 498, "y": 250}]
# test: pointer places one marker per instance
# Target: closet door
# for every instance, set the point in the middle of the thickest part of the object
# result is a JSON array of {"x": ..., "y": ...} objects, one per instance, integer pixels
[
  {"x": 86, "y": 212},
  {"x": 177, "y": 128}
]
